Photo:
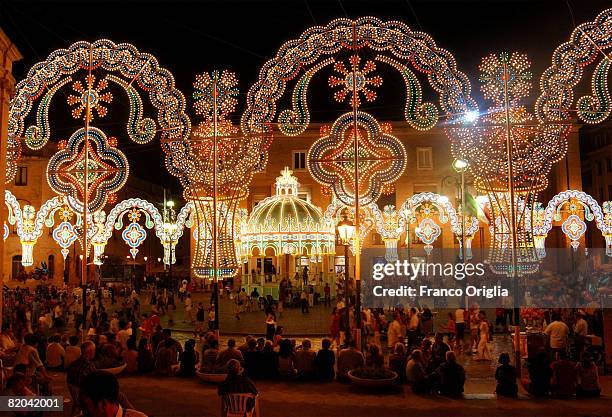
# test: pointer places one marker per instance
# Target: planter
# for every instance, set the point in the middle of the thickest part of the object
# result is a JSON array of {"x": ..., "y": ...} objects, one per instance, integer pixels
[
  {"x": 372, "y": 383},
  {"x": 211, "y": 378}
]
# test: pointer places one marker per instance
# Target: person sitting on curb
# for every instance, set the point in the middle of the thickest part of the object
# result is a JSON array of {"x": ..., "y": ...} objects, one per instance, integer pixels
[
  {"x": 450, "y": 376},
  {"x": 349, "y": 359},
  {"x": 505, "y": 375}
]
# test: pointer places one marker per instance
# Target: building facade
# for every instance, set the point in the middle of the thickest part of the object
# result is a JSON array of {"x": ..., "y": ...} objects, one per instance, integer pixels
[{"x": 429, "y": 169}]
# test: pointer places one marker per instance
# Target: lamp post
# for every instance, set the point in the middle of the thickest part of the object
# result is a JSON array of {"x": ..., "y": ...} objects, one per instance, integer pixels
[
  {"x": 169, "y": 226},
  {"x": 132, "y": 278},
  {"x": 460, "y": 166},
  {"x": 83, "y": 296},
  {"x": 346, "y": 233}
]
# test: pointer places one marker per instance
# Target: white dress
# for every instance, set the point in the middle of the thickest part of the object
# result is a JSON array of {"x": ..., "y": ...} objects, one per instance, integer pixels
[{"x": 483, "y": 344}]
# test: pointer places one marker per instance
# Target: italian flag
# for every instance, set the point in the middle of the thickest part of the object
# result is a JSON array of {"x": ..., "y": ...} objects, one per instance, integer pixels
[{"x": 472, "y": 208}]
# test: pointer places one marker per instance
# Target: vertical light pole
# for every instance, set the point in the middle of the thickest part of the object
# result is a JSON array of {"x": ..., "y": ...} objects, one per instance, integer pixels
[
  {"x": 460, "y": 166},
  {"x": 357, "y": 243},
  {"x": 86, "y": 197},
  {"x": 215, "y": 231},
  {"x": 513, "y": 235},
  {"x": 128, "y": 259},
  {"x": 170, "y": 226},
  {"x": 346, "y": 233}
]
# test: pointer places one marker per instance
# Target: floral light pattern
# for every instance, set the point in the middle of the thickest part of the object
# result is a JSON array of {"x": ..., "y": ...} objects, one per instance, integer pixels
[{"x": 90, "y": 98}]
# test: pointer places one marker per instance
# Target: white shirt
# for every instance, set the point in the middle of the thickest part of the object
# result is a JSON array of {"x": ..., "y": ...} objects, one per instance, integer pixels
[
  {"x": 28, "y": 355},
  {"x": 581, "y": 327},
  {"x": 55, "y": 353},
  {"x": 459, "y": 316},
  {"x": 72, "y": 354},
  {"x": 122, "y": 337},
  {"x": 394, "y": 333},
  {"x": 414, "y": 321},
  {"x": 557, "y": 331}
]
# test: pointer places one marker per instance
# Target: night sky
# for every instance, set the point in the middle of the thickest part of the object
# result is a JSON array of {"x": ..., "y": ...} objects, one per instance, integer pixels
[{"x": 188, "y": 37}]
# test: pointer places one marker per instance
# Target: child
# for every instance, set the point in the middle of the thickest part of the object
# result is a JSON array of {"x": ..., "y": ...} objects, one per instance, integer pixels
[{"x": 450, "y": 327}]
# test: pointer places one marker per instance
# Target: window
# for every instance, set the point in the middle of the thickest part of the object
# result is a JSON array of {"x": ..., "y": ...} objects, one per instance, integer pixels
[
  {"x": 424, "y": 158},
  {"x": 299, "y": 160},
  {"x": 22, "y": 176},
  {"x": 339, "y": 264},
  {"x": 304, "y": 194},
  {"x": 377, "y": 239},
  {"x": 16, "y": 266},
  {"x": 51, "y": 266}
]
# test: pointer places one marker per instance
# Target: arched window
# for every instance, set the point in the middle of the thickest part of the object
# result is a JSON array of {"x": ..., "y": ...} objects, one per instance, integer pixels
[
  {"x": 15, "y": 266},
  {"x": 51, "y": 266}
]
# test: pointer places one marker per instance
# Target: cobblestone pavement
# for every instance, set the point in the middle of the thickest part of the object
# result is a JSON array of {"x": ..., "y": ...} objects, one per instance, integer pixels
[
  {"x": 313, "y": 325},
  {"x": 316, "y": 322},
  {"x": 169, "y": 397}
]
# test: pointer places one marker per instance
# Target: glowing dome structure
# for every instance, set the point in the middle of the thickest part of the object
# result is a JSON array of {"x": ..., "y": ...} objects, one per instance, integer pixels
[{"x": 287, "y": 225}]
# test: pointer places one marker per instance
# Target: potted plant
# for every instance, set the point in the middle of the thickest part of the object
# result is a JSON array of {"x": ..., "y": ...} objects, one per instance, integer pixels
[{"x": 372, "y": 377}]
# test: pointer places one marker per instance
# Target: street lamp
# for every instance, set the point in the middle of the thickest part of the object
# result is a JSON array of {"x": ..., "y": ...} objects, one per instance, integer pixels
[
  {"x": 346, "y": 233},
  {"x": 460, "y": 166},
  {"x": 346, "y": 229},
  {"x": 169, "y": 228}
]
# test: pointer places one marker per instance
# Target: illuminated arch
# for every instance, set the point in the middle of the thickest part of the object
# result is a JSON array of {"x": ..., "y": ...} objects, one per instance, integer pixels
[
  {"x": 573, "y": 226},
  {"x": 124, "y": 66},
  {"x": 587, "y": 42},
  {"x": 310, "y": 51}
]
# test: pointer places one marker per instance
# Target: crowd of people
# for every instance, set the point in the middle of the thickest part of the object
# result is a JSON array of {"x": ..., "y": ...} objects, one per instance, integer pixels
[{"x": 42, "y": 327}]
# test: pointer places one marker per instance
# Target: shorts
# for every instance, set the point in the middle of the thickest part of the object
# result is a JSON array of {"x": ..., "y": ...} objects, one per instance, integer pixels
[{"x": 460, "y": 330}]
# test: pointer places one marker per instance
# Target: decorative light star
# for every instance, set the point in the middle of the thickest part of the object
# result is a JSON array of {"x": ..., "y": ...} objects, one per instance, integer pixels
[
  {"x": 356, "y": 79},
  {"x": 90, "y": 98},
  {"x": 382, "y": 158},
  {"x": 65, "y": 235},
  {"x": 573, "y": 227},
  {"x": 505, "y": 69},
  {"x": 107, "y": 168},
  {"x": 226, "y": 93},
  {"x": 65, "y": 214},
  {"x": 134, "y": 235},
  {"x": 134, "y": 215}
]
